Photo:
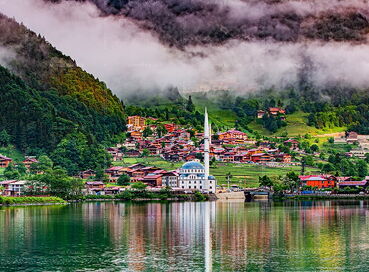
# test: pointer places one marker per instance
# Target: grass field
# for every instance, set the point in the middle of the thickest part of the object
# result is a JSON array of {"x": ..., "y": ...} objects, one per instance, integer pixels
[
  {"x": 296, "y": 125},
  {"x": 245, "y": 175},
  {"x": 218, "y": 116}
]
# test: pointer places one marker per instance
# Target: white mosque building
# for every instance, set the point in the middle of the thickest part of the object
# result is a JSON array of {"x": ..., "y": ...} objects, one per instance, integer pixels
[{"x": 194, "y": 175}]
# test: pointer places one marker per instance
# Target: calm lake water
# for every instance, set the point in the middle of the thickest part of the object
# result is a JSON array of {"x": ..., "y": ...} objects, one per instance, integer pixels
[{"x": 206, "y": 236}]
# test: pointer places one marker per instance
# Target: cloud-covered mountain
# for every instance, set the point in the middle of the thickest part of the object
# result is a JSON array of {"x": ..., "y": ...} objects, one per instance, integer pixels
[{"x": 245, "y": 45}]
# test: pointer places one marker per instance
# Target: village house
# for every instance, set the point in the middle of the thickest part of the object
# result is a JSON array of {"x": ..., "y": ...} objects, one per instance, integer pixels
[
  {"x": 319, "y": 181},
  {"x": 170, "y": 127},
  {"x": 5, "y": 185},
  {"x": 357, "y": 153},
  {"x": 133, "y": 153},
  {"x": 170, "y": 179},
  {"x": 352, "y": 138},
  {"x": 233, "y": 136},
  {"x": 260, "y": 114},
  {"x": 275, "y": 111},
  {"x": 272, "y": 111},
  {"x": 95, "y": 187},
  {"x": 261, "y": 158},
  {"x": 294, "y": 144},
  {"x": 29, "y": 161},
  {"x": 4, "y": 161},
  {"x": 353, "y": 184},
  {"x": 87, "y": 174},
  {"x": 13, "y": 187},
  {"x": 116, "y": 154},
  {"x": 136, "y": 123},
  {"x": 115, "y": 172},
  {"x": 136, "y": 135},
  {"x": 153, "y": 180},
  {"x": 113, "y": 190}
]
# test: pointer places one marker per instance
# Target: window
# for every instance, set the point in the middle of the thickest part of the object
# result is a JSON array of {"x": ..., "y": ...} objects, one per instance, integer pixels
[
  {"x": 182, "y": 187},
  {"x": 189, "y": 187}
]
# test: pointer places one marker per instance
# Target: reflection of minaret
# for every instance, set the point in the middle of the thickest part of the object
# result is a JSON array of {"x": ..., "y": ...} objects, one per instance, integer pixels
[
  {"x": 209, "y": 213},
  {"x": 206, "y": 149}
]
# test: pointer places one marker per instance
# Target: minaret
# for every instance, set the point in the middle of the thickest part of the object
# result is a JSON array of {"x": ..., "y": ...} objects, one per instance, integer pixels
[{"x": 206, "y": 149}]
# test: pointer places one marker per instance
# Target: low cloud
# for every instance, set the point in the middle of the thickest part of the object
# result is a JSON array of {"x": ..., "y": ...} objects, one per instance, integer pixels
[{"x": 128, "y": 58}]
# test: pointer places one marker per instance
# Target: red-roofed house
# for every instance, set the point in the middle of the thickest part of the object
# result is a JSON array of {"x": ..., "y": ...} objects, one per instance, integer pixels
[
  {"x": 320, "y": 181},
  {"x": 344, "y": 184},
  {"x": 4, "y": 161},
  {"x": 29, "y": 161},
  {"x": 153, "y": 180}
]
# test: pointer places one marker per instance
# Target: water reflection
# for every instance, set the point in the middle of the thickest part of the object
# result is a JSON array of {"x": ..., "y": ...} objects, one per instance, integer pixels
[{"x": 206, "y": 236}]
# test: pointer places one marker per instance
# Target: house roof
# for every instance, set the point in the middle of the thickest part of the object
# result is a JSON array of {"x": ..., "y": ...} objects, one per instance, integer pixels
[
  {"x": 4, "y": 158},
  {"x": 152, "y": 176},
  {"x": 5, "y": 182},
  {"x": 115, "y": 168},
  {"x": 315, "y": 179},
  {"x": 95, "y": 183},
  {"x": 353, "y": 183}
]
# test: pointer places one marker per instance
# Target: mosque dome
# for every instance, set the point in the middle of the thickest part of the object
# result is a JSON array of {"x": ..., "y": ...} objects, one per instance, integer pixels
[{"x": 192, "y": 165}]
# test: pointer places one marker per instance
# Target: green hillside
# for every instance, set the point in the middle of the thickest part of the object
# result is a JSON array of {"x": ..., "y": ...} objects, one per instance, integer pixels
[
  {"x": 45, "y": 68},
  {"x": 296, "y": 125},
  {"x": 219, "y": 117}
]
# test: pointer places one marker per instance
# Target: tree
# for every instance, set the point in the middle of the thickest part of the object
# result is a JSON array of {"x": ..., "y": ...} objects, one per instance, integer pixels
[
  {"x": 124, "y": 180},
  {"x": 314, "y": 148},
  {"x": 22, "y": 169},
  {"x": 145, "y": 153},
  {"x": 309, "y": 160},
  {"x": 190, "y": 106},
  {"x": 265, "y": 181},
  {"x": 212, "y": 161},
  {"x": 5, "y": 138},
  {"x": 328, "y": 167},
  {"x": 161, "y": 130},
  {"x": 100, "y": 175},
  {"x": 140, "y": 186},
  {"x": 291, "y": 180},
  {"x": 77, "y": 152},
  {"x": 362, "y": 168},
  {"x": 147, "y": 132},
  {"x": 58, "y": 183},
  {"x": 44, "y": 164},
  {"x": 11, "y": 172}
]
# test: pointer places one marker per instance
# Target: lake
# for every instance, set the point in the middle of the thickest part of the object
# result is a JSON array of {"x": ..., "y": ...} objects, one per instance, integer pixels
[{"x": 187, "y": 236}]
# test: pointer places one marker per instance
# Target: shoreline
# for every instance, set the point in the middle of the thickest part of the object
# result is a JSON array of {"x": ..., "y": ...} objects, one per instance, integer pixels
[{"x": 275, "y": 199}]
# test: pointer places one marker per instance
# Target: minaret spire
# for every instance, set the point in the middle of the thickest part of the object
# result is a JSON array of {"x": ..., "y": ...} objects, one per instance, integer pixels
[{"x": 206, "y": 148}]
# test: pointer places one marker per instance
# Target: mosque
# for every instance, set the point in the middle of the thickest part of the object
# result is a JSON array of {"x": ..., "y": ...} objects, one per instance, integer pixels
[{"x": 194, "y": 175}]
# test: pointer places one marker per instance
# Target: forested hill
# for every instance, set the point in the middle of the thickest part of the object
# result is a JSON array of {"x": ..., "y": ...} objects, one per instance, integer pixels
[
  {"x": 44, "y": 68},
  {"x": 38, "y": 120}
]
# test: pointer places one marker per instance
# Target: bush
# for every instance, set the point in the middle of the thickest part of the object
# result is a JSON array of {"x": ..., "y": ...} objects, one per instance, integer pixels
[{"x": 7, "y": 200}]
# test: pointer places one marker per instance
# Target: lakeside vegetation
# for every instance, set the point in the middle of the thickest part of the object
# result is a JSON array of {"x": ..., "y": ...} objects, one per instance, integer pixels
[{"x": 7, "y": 200}]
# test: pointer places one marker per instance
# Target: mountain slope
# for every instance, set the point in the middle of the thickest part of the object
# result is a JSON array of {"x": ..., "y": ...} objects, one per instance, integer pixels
[
  {"x": 38, "y": 120},
  {"x": 43, "y": 67}
]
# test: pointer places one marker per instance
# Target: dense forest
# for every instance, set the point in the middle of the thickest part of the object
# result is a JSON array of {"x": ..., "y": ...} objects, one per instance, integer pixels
[
  {"x": 45, "y": 68},
  {"x": 37, "y": 120}
]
